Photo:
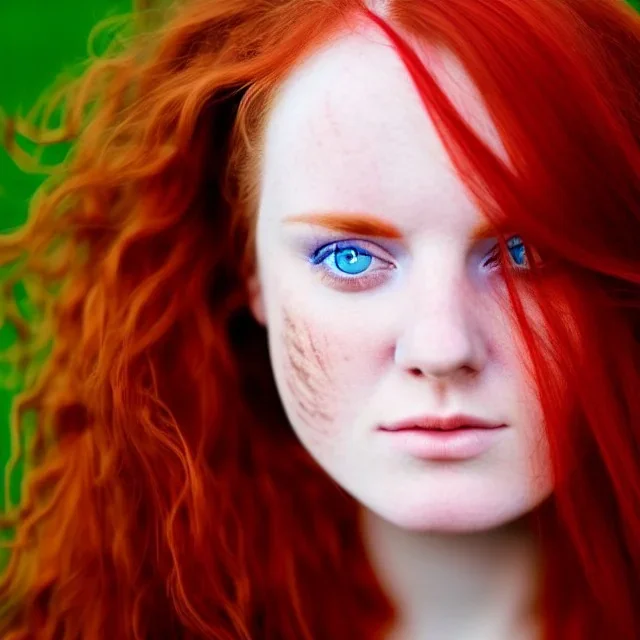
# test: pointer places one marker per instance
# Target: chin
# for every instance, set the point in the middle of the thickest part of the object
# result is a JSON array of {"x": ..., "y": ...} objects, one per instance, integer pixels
[{"x": 455, "y": 516}]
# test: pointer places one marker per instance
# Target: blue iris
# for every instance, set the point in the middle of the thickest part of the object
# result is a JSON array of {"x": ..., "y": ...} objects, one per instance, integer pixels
[
  {"x": 352, "y": 260},
  {"x": 519, "y": 250},
  {"x": 347, "y": 258}
]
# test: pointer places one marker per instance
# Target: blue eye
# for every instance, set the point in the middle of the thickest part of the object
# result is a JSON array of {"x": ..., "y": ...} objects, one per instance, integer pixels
[
  {"x": 517, "y": 251},
  {"x": 352, "y": 260},
  {"x": 347, "y": 266},
  {"x": 345, "y": 257}
]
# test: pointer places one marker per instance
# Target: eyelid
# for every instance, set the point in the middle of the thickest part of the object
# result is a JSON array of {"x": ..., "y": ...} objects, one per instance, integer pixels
[{"x": 326, "y": 248}]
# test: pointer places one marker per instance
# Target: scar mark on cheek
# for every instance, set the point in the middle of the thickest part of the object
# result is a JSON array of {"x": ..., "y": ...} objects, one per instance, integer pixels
[{"x": 307, "y": 374}]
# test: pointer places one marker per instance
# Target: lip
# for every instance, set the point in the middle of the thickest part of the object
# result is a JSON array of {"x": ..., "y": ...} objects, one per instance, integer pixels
[
  {"x": 440, "y": 423},
  {"x": 434, "y": 438}
]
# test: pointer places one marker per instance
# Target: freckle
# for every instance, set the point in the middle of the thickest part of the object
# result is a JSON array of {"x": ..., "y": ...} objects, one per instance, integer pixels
[{"x": 307, "y": 374}]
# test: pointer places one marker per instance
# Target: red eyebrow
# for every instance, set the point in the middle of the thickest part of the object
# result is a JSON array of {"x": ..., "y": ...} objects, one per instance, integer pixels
[
  {"x": 361, "y": 224},
  {"x": 369, "y": 225}
]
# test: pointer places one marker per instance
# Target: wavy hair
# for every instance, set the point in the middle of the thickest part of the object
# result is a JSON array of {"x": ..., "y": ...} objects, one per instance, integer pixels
[{"x": 166, "y": 494}]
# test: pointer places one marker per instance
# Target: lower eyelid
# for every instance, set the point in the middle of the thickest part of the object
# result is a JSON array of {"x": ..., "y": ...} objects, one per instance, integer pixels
[{"x": 356, "y": 283}]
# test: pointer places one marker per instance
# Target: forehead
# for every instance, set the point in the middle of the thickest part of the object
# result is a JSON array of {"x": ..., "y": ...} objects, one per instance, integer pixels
[{"x": 348, "y": 129}]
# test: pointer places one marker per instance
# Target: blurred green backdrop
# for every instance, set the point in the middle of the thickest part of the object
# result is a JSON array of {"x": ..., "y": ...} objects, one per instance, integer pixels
[{"x": 38, "y": 40}]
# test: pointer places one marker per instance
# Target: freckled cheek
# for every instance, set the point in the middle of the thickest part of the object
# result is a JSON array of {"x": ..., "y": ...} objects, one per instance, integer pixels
[{"x": 323, "y": 373}]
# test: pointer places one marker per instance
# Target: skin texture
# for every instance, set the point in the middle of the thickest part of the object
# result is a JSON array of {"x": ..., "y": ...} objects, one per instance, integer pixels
[
  {"x": 424, "y": 330},
  {"x": 307, "y": 377}
]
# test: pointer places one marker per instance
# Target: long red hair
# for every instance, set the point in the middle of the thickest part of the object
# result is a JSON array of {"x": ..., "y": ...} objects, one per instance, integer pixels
[{"x": 166, "y": 495}]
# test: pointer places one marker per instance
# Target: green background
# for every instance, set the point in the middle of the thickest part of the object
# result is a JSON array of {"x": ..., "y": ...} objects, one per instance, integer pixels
[{"x": 38, "y": 40}]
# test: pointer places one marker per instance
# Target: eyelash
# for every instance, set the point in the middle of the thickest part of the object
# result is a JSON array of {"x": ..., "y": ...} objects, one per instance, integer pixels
[{"x": 355, "y": 282}]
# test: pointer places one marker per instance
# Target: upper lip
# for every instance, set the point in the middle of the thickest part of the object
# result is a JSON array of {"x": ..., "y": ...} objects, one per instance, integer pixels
[{"x": 440, "y": 423}]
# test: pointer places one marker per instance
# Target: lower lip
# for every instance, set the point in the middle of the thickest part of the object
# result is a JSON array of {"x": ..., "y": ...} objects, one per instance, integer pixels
[{"x": 457, "y": 444}]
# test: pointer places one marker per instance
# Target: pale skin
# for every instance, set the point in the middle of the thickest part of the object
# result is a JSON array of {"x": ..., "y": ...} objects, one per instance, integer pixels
[{"x": 420, "y": 330}]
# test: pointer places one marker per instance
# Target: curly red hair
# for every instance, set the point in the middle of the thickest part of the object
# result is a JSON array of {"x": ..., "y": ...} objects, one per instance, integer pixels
[{"x": 167, "y": 495}]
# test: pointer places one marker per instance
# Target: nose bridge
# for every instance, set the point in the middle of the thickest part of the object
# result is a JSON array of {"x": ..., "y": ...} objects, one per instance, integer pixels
[{"x": 440, "y": 332}]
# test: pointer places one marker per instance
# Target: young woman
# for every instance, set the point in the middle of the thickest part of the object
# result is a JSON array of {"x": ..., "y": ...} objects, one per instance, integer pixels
[{"x": 343, "y": 301}]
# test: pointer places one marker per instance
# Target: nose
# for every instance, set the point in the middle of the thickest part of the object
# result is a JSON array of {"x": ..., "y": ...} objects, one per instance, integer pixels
[{"x": 440, "y": 335}]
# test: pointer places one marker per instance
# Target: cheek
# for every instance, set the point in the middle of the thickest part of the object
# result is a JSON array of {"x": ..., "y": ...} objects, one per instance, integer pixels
[
  {"x": 312, "y": 368},
  {"x": 306, "y": 372}
]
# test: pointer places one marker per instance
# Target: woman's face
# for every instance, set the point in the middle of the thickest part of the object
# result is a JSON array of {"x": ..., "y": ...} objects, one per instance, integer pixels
[{"x": 381, "y": 302}]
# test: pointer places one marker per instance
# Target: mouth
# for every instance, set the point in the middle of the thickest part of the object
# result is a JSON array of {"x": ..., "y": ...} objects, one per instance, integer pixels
[
  {"x": 459, "y": 422},
  {"x": 434, "y": 438},
  {"x": 435, "y": 430}
]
